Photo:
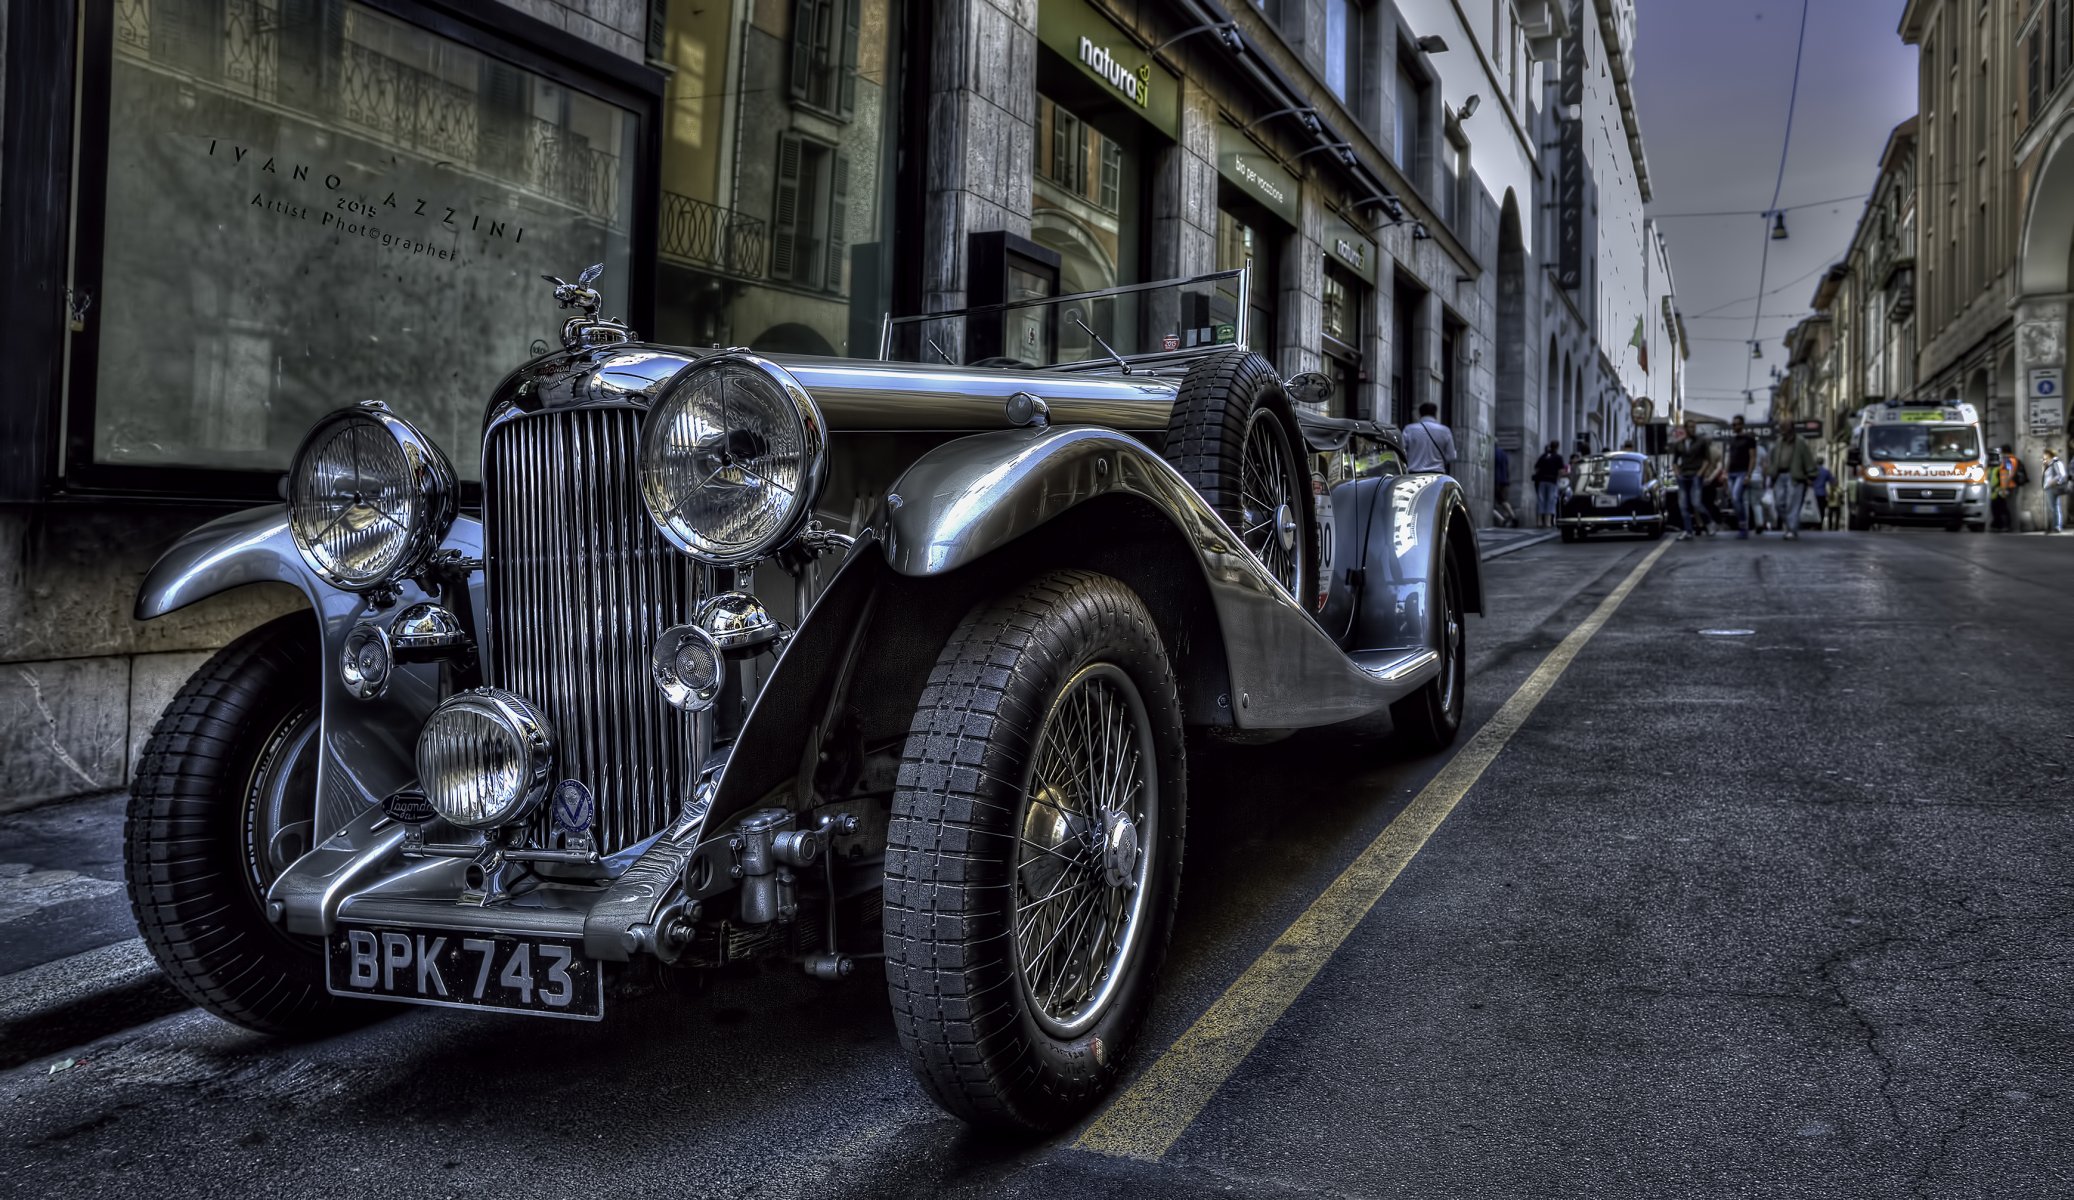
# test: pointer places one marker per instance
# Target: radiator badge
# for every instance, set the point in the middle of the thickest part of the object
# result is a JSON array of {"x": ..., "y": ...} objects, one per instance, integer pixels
[{"x": 573, "y": 807}]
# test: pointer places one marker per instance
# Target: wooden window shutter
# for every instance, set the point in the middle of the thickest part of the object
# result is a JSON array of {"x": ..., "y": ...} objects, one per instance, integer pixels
[
  {"x": 847, "y": 73},
  {"x": 802, "y": 48},
  {"x": 785, "y": 210},
  {"x": 838, "y": 220}
]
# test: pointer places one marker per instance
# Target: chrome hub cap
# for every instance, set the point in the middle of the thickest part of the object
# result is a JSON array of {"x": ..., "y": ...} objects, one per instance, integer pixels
[
  {"x": 1268, "y": 498},
  {"x": 1085, "y": 840}
]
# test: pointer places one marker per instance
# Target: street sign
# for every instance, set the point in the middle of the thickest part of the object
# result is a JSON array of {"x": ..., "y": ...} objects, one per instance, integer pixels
[
  {"x": 1642, "y": 411},
  {"x": 2048, "y": 399}
]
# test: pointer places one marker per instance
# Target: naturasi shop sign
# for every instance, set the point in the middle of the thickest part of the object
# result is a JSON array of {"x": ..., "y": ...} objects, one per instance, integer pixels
[
  {"x": 1099, "y": 60},
  {"x": 1089, "y": 40}
]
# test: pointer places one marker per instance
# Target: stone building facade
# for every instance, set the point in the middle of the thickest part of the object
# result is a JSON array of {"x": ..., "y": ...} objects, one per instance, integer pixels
[{"x": 776, "y": 175}]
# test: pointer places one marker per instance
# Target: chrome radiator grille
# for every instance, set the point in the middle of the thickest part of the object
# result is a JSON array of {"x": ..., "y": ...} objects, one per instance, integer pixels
[{"x": 579, "y": 585}]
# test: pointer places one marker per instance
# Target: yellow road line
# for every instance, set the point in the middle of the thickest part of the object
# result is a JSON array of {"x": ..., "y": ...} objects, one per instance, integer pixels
[{"x": 1146, "y": 1120}]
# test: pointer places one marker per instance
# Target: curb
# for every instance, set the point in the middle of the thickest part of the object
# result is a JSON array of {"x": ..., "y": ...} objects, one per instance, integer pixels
[
  {"x": 72, "y": 1001},
  {"x": 1513, "y": 544}
]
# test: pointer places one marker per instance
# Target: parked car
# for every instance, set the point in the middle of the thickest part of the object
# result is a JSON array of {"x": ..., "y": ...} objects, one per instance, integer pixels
[
  {"x": 1614, "y": 493},
  {"x": 751, "y": 657}
]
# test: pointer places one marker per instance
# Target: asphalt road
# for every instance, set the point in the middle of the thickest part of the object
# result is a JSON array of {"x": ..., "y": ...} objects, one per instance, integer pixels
[{"x": 1783, "y": 909}]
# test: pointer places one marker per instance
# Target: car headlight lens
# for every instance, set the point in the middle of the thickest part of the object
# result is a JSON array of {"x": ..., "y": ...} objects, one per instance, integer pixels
[
  {"x": 369, "y": 497},
  {"x": 484, "y": 758},
  {"x": 731, "y": 459}
]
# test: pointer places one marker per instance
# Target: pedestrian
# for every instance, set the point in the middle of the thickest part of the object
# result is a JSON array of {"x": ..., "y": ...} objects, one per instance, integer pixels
[
  {"x": 1742, "y": 459},
  {"x": 1628, "y": 447},
  {"x": 1548, "y": 479},
  {"x": 1695, "y": 460},
  {"x": 1824, "y": 483},
  {"x": 1794, "y": 463},
  {"x": 1429, "y": 447},
  {"x": 2056, "y": 488},
  {"x": 2001, "y": 484},
  {"x": 1501, "y": 487}
]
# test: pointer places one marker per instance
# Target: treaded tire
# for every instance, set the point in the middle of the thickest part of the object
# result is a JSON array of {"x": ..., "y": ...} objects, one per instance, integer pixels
[
  {"x": 186, "y": 857},
  {"x": 960, "y": 1004},
  {"x": 1206, "y": 435},
  {"x": 1428, "y": 720}
]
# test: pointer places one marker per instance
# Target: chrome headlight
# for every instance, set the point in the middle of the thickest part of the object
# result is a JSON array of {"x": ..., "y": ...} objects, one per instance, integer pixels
[
  {"x": 369, "y": 497},
  {"x": 484, "y": 758},
  {"x": 732, "y": 459}
]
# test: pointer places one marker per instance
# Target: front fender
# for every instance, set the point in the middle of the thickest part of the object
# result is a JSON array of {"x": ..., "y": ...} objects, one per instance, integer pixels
[
  {"x": 969, "y": 498},
  {"x": 369, "y": 747}
]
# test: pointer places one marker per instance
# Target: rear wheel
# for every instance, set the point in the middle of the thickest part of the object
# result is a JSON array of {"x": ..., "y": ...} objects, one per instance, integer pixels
[
  {"x": 1569, "y": 533},
  {"x": 1429, "y": 719},
  {"x": 1034, "y": 855},
  {"x": 224, "y": 800},
  {"x": 1232, "y": 434}
]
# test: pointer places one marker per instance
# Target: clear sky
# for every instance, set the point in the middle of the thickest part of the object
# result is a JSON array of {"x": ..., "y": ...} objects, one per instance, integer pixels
[{"x": 1711, "y": 85}]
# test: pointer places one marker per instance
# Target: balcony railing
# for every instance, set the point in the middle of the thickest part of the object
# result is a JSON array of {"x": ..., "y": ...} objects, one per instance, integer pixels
[{"x": 710, "y": 236}]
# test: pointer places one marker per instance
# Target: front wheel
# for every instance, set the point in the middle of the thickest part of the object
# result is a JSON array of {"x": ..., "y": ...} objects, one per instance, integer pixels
[
  {"x": 1034, "y": 855},
  {"x": 1429, "y": 719},
  {"x": 224, "y": 800}
]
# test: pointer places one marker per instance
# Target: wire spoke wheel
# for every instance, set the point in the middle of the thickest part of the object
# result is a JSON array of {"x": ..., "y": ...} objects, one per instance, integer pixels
[
  {"x": 1084, "y": 844},
  {"x": 1267, "y": 498}
]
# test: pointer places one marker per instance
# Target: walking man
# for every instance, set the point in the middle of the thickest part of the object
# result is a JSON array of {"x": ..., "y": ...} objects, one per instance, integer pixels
[
  {"x": 1742, "y": 459},
  {"x": 2056, "y": 489},
  {"x": 1429, "y": 448},
  {"x": 1824, "y": 483},
  {"x": 1694, "y": 461},
  {"x": 2001, "y": 485},
  {"x": 1795, "y": 464},
  {"x": 1548, "y": 475}
]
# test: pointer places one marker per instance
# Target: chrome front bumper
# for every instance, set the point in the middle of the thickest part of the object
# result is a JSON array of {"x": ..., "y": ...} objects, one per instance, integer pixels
[
  {"x": 364, "y": 875},
  {"x": 1616, "y": 519}
]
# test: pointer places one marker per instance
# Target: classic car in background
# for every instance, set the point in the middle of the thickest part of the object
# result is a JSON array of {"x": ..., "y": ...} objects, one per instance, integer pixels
[
  {"x": 1614, "y": 492},
  {"x": 787, "y": 659}
]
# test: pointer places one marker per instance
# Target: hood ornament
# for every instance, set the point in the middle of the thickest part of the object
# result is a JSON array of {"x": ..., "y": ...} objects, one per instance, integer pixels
[{"x": 587, "y": 329}]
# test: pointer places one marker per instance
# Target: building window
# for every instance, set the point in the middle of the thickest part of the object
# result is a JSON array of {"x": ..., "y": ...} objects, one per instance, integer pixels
[
  {"x": 824, "y": 54},
  {"x": 1408, "y": 130},
  {"x": 775, "y": 223},
  {"x": 1454, "y": 170},
  {"x": 2063, "y": 37},
  {"x": 810, "y": 199},
  {"x": 297, "y": 198},
  {"x": 2034, "y": 76},
  {"x": 1343, "y": 49}
]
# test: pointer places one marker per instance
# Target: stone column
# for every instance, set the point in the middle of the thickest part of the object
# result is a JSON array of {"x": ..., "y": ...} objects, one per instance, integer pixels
[
  {"x": 1302, "y": 299},
  {"x": 982, "y": 126}
]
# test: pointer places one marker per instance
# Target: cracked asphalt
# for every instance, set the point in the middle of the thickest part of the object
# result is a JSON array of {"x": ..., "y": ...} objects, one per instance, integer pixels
[{"x": 1784, "y": 912}]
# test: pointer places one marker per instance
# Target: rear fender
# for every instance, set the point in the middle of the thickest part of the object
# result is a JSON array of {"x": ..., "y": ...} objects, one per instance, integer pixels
[
  {"x": 369, "y": 747},
  {"x": 1398, "y": 527}
]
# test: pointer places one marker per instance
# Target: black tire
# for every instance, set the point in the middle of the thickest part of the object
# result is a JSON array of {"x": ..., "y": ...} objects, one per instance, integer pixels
[
  {"x": 1857, "y": 522},
  {"x": 1222, "y": 405},
  {"x": 1428, "y": 720},
  {"x": 225, "y": 769},
  {"x": 1656, "y": 532},
  {"x": 1569, "y": 533},
  {"x": 1976, "y": 526},
  {"x": 964, "y": 807}
]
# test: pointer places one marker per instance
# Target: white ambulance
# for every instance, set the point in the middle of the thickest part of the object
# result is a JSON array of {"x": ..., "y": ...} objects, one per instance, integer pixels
[{"x": 1919, "y": 464}]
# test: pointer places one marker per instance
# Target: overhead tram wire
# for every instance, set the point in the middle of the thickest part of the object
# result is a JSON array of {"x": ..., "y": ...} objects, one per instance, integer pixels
[
  {"x": 1753, "y": 212},
  {"x": 1778, "y": 186}
]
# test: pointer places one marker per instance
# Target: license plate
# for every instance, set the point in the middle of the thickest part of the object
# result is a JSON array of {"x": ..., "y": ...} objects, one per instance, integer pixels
[
  {"x": 1605, "y": 501},
  {"x": 1926, "y": 508},
  {"x": 546, "y": 977}
]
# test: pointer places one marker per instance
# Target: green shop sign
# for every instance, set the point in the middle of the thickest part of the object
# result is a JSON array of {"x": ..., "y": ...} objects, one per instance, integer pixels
[
  {"x": 1256, "y": 174},
  {"x": 1349, "y": 247},
  {"x": 1093, "y": 43}
]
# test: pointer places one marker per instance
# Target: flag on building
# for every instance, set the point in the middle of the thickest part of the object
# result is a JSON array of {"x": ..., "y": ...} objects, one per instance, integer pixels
[{"x": 1641, "y": 344}]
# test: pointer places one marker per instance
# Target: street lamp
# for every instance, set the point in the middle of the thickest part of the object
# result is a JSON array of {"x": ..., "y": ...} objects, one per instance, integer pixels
[{"x": 1779, "y": 226}]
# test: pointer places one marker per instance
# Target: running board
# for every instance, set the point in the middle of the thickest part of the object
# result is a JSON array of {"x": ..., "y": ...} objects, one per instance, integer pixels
[{"x": 1397, "y": 666}]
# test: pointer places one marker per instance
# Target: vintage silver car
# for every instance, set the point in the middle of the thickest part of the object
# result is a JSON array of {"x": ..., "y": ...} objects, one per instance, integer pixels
[{"x": 787, "y": 659}]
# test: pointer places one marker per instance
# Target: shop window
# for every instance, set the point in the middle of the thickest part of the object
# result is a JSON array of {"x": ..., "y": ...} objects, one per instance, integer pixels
[
  {"x": 1240, "y": 242},
  {"x": 299, "y": 205},
  {"x": 824, "y": 54},
  {"x": 1343, "y": 336},
  {"x": 775, "y": 222}
]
